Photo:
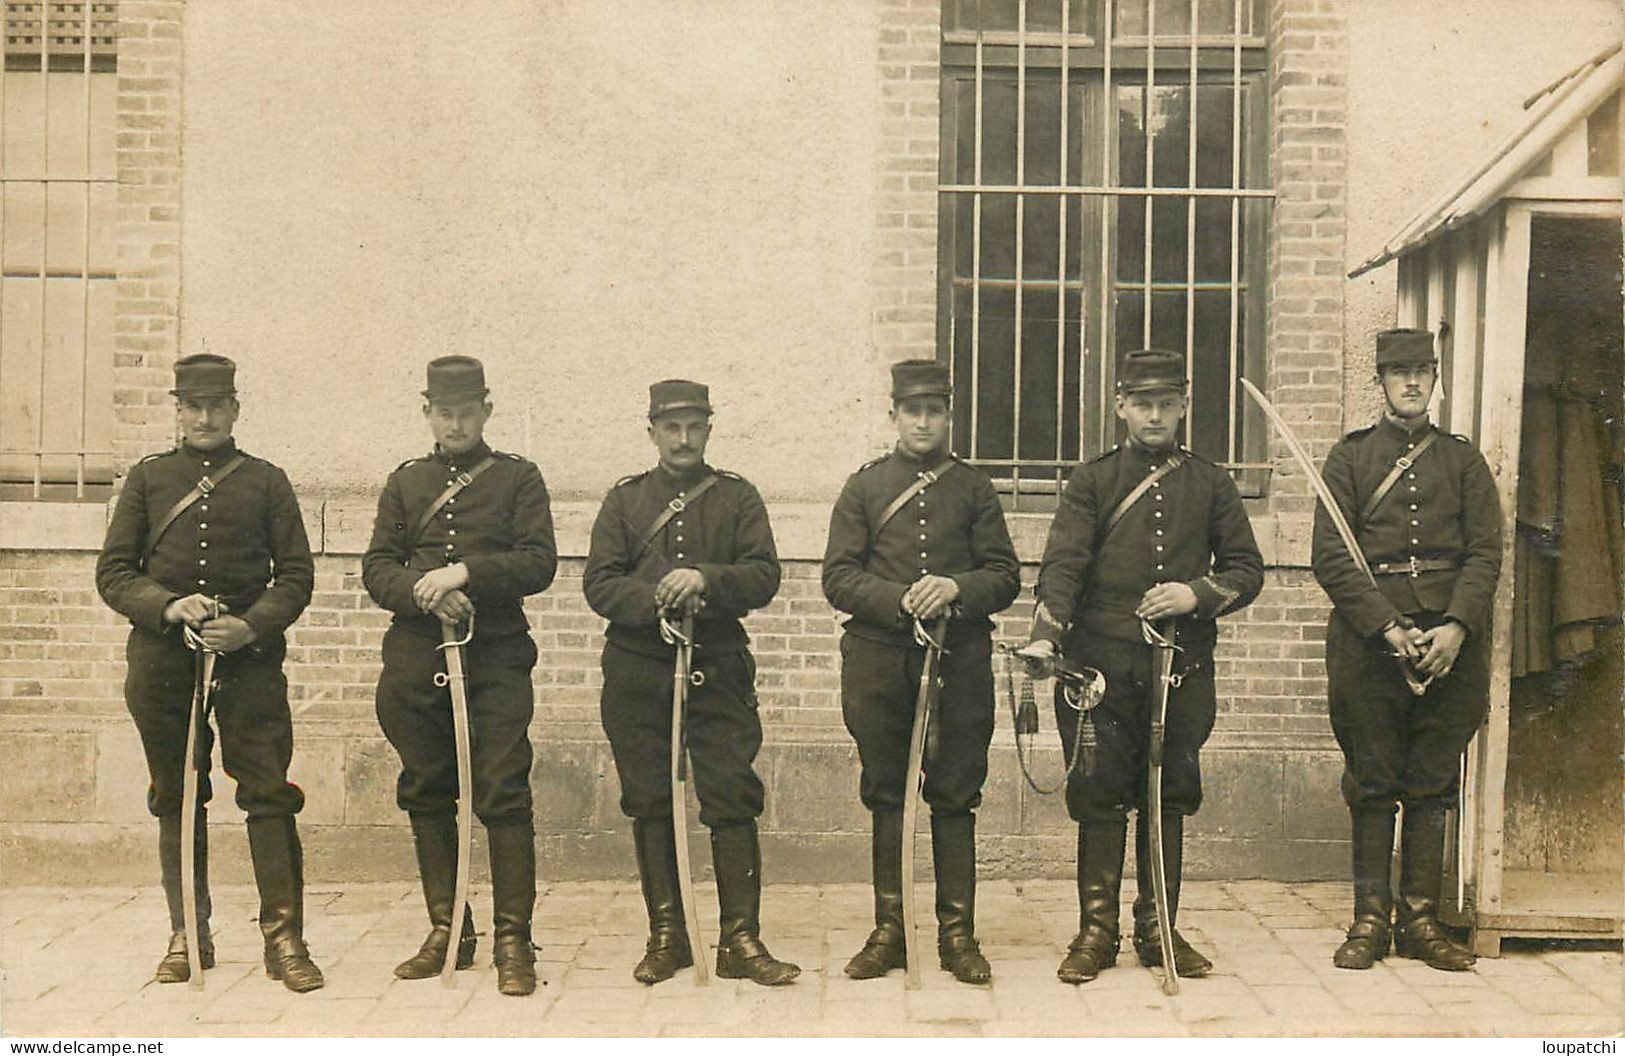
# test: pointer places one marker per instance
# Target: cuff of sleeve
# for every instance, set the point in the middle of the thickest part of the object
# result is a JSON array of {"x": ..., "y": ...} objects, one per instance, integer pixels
[
  {"x": 1467, "y": 625},
  {"x": 1369, "y": 625},
  {"x": 1046, "y": 626},
  {"x": 1209, "y": 599}
]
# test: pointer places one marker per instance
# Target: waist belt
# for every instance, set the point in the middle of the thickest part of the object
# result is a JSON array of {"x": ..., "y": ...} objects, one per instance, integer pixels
[{"x": 1414, "y": 567}]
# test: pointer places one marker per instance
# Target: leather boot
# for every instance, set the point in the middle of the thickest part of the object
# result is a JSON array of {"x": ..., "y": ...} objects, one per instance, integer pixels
[
  {"x": 953, "y": 852},
  {"x": 667, "y": 949},
  {"x": 1421, "y": 866},
  {"x": 435, "y": 837},
  {"x": 1368, "y": 936},
  {"x": 1101, "y": 846},
  {"x": 737, "y": 858},
  {"x": 1188, "y": 964},
  {"x": 513, "y": 900},
  {"x": 279, "y": 871},
  {"x": 886, "y": 948},
  {"x": 174, "y": 967}
]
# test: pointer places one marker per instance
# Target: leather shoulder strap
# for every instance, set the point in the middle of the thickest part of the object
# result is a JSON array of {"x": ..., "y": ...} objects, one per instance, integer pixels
[
  {"x": 923, "y": 481},
  {"x": 673, "y": 508},
  {"x": 1174, "y": 462},
  {"x": 463, "y": 480},
  {"x": 1400, "y": 466},
  {"x": 200, "y": 489}
]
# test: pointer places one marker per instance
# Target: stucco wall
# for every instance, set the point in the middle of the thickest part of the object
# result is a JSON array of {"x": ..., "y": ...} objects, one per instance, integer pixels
[
  {"x": 589, "y": 196},
  {"x": 1432, "y": 89}
]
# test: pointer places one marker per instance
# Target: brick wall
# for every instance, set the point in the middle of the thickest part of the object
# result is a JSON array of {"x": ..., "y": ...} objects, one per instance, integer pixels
[
  {"x": 77, "y": 807},
  {"x": 1271, "y": 768},
  {"x": 147, "y": 309},
  {"x": 903, "y": 278},
  {"x": 1308, "y": 49}
]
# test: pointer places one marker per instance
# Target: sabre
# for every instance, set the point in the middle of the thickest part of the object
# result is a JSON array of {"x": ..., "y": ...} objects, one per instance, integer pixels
[
  {"x": 1329, "y": 502},
  {"x": 1082, "y": 688},
  {"x": 202, "y": 686},
  {"x": 682, "y": 677},
  {"x": 1163, "y": 649},
  {"x": 456, "y": 680},
  {"x": 913, "y": 782}
]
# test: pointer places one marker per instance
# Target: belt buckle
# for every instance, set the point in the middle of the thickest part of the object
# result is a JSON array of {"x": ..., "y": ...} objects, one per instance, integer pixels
[
  {"x": 205, "y": 485},
  {"x": 677, "y": 505},
  {"x": 1404, "y": 463},
  {"x": 1414, "y": 570},
  {"x": 464, "y": 479}
]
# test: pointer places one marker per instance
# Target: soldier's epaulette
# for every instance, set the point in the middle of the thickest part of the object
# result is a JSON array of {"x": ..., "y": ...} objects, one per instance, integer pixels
[
  {"x": 1109, "y": 452},
  {"x": 410, "y": 462},
  {"x": 629, "y": 479},
  {"x": 1364, "y": 429},
  {"x": 726, "y": 473},
  {"x": 158, "y": 454},
  {"x": 1457, "y": 436},
  {"x": 873, "y": 462},
  {"x": 1188, "y": 453},
  {"x": 508, "y": 455}
]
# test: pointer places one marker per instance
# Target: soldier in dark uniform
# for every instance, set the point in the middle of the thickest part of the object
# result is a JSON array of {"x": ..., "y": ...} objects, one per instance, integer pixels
[
  {"x": 944, "y": 551},
  {"x": 463, "y": 533},
  {"x": 1431, "y": 532},
  {"x": 210, "y": 538},
  {"x": 686, "y": 537},
  {"x": 1181, "y": 552}
]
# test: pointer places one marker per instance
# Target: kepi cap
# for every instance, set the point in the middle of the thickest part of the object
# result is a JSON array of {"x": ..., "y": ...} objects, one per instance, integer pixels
[
  {"x": 1146, "y": 369},
  {"x": 919, "y": 377},
  {"x": 678, "y": 394},
  {"x": 1404, "y": 345},
  {"x": 455, "y": 377},
  {"x": 205, "y": 374}
]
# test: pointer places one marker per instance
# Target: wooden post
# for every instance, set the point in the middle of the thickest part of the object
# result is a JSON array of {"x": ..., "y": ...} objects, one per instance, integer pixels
[{"x": 1507, "y": 280}]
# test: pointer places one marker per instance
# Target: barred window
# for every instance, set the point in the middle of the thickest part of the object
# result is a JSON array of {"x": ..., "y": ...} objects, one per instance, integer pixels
[
  {"x": 1103, "y": 188},
  {"x": 58, "y": 248}
]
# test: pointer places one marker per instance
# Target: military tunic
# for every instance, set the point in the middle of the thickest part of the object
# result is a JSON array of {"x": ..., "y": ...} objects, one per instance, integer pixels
[
  {"x": 954, "y": 527},
  {"x": 501, "y": 528},
  {"x": 725, "y": 535},
  {"x": 1434, "y": 543},
  {"x": 1190, "y": 527},
  {"x": 244, "y": 544}
]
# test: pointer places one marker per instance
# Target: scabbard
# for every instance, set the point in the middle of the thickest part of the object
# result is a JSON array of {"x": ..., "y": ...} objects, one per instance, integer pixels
[
  {"x": 913, "y": 786},
  {"x": 681, "y": 665},
  {"x": 1163, "y": 678},
  {"x": 457, "y": 683},
  {"x": 202, "y": 682}
]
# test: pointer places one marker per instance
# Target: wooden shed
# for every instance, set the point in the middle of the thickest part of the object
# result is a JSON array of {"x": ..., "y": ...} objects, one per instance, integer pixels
[{"x": 1518, "y": 268}]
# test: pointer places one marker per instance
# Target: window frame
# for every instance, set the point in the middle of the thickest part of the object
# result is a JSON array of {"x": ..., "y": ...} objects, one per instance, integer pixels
[{"x": 1001, "y": 57}]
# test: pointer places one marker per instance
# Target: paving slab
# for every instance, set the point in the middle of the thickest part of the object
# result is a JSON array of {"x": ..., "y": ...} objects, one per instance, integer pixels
[{"x": 79, "y": 962}]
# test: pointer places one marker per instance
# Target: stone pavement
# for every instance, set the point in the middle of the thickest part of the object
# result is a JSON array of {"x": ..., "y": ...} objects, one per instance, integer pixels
[{"x": 79, "y": 962}]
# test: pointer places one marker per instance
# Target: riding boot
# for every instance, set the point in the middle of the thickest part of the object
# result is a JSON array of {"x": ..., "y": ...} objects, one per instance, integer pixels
[
  {"x": 667, "y": 950},
  {"x": 1421, "y": 868},
  {"x": 1101, "y": 845},
  {"x": 513, "y": 900},
  {"x": 1368, "y": 936},
  {"x": 279, "y": 871},
  {"x": 737, "y": 858},
  {"x": 953, "y": 852},
  {"x": 174, "y": 967},
  {"x": 1188, "y": 964},
  {"x": 435, "y": 838},
  {"x": 886, "y": 948}
]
